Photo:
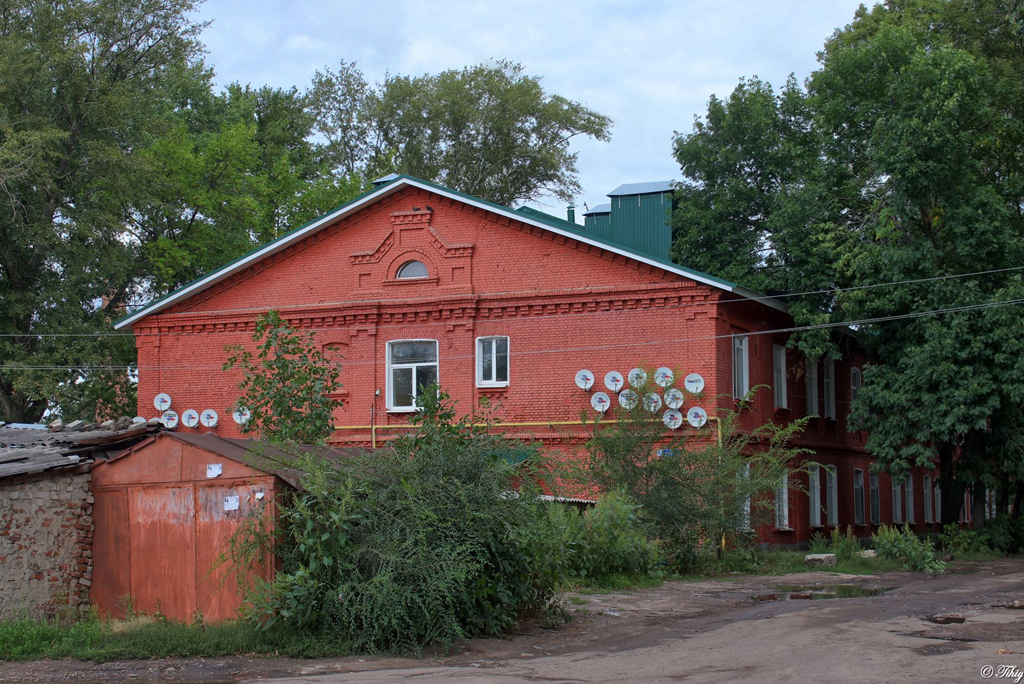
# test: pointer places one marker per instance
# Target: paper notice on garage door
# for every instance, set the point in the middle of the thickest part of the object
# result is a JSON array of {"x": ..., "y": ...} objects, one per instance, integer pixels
[
  {"x": 231, "y": 503},
  {"x": 214, "y": 469}
]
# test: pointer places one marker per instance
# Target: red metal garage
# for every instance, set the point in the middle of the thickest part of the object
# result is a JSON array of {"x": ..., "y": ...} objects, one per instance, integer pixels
[{"x": 164, "y": 512}]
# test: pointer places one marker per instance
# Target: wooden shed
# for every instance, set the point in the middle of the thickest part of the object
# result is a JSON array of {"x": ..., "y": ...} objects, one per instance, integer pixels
[{"x": 164, "y": 511}]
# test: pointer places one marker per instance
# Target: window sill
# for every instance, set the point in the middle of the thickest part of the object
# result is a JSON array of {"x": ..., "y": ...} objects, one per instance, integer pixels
[
  {"x": 411, "y": 409},
  {"x": 784, "y": 410},
  {"x": 410, "y": 281},
  {"x": 783, "y": 529}
]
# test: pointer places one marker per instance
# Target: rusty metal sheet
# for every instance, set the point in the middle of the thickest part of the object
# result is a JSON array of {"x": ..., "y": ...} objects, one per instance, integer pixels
[
  {"x": 111, "y": 556},
  {"x": 158, "y": 461},
  {"x": 161, "y": 523}
]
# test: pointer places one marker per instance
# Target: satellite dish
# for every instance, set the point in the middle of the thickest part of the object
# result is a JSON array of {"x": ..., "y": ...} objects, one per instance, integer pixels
[
  {"x": 162, "y": 401},
  {"x": 600, "y": 401},
  {"x": 208, "y": 418},
  {"x": 628, "y": 399},
  {"x": 652, "y": 402},
  {"x": 664, "y": 376},
  {"x": 613, "y": 381},
  {"x": 694, "y": 382},
  {"x": 674, "y": 398},
  {"x": 637, "y": 377},
  {"x": 672, "y": 419},
  {"x": 697, "y": 416},
  {"x": 169, "y": 419},
  {"x": 190, "y": 418},
  {"x": 139, "y": 420},
  {"x": 241, "y": 415},
  {"x": 584, "y": 379}
]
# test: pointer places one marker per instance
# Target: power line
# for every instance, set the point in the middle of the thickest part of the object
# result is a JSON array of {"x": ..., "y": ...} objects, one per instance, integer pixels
[
  {"x": 531, "y": 293},
  {"x": 638, "y": 343}
]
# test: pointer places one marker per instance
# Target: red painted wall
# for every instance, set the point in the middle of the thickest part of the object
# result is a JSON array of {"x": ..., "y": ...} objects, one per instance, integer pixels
[{"x": 563, "y": 304}]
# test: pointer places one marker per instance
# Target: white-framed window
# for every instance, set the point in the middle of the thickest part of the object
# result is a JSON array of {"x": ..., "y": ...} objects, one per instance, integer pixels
[
  {"x": 782, "y": 503},
  {"x": 814, "y": 491},
  {"x": 412, "y": 269},
  {"x": 897, "y": 501},
  {"x": 832, "y": 495},
  {"x": 938, "y": 502},
  {"x": 991, "y": 507},
  {"x": 492, "y": 361},
  {"x": 740, "y": 366},
  {"x": 830, "y": 389},
  {"x": 812, "y": 388},
  {"x": 858, "y": 496},
  {"x": 412, "y": 365},
  {"x": 908, "y": 490},
  {"x": 856, "y": 382},
  {"x": 876, "y": 504},
  {"x": 928, "y": 517},
  {"x": 779, "y": 362}
]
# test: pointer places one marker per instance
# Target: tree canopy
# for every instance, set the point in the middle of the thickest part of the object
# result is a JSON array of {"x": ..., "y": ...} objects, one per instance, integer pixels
[{"x": 898, "y": 160}]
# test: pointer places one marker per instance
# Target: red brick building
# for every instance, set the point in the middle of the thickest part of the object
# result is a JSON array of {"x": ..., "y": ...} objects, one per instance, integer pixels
[{"x": 415, "y": 282}]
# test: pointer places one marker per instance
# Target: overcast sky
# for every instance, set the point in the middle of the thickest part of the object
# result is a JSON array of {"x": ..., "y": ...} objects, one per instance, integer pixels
[{"x": 651, "y": 66}]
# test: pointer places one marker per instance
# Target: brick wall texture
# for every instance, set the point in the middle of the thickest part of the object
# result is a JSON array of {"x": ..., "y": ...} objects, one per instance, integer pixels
[{"x": 45, "y": 545}]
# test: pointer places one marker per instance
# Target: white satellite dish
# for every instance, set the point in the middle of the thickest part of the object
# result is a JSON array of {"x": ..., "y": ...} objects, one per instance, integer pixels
[
  {"x": 664, "y": 376},
  {"x": 672, "y": 419},
  {"x": 674, "y": 398},
  {"x": 208, "y": 418},
  {"x": 190, "y": 418},
  {"x": 600, "y": 401},
  {"x": 694, "y": 382},
  {"x": 637, "y": 377},
  {"x": 697, "y": 416},
  {"x": 584, "y": 379},
  {"x": 613, "y": 381},
  {"x": 652, "y": 402},
  {"x": 139, "y": 420},
  {"x": 628, "y": 399},
  {"x": 169, "y": 419},
  {"x": 241, "y": 415},
  {"x": 162, "y": 401}
]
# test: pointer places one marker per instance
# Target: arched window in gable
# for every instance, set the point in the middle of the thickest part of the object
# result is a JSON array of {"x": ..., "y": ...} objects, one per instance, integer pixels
[{"x": 412, "y": 269}]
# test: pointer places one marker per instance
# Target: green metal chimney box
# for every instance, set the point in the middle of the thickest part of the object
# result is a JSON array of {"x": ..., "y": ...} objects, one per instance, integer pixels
[{"x": 638, "y": 218}]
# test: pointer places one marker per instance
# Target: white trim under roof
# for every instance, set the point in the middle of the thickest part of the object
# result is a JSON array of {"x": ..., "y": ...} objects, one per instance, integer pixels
[{"x": 392, "y": 187}]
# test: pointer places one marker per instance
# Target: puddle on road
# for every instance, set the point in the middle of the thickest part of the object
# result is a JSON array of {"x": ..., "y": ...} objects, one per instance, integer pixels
[
  {"x": 947, "y": 619},
  {"x": 794, "y": 593}
]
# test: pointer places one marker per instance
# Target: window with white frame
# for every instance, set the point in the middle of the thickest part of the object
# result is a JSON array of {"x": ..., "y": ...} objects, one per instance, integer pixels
[
  {"x": 908, "y": 491},
  {"x": 858, "y": 496},
  {"x": 782, "y": 503},
  {"x": 812, "y": 388},
  {"x": 492, "y": 362},
  {"x": 830, "y": 389},
  {"x": 740, "y": 366},
  {"x": 990, "y": 504},
  {"x": 412, "y": 269},
  {"x": 928, "y": 517},
  {"x": 814, "y": 491},
  {"x": 876, "y": 504},
  {"x": 832, "y": 495},
  {"x": 856, "y": 382},
  {"x": 897, "y": 502},
  {"x": 938, "y": 502},
  {"x": 779, "y": 362},
  {"x": 412, "y": 366}
]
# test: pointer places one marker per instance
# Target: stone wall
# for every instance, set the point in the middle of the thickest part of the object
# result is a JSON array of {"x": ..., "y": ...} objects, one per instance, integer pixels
[{"x": 45, "y": 544}]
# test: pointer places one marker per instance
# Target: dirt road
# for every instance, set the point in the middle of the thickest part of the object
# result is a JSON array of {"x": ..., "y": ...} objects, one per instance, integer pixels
[{"x": 711, "y": 631}]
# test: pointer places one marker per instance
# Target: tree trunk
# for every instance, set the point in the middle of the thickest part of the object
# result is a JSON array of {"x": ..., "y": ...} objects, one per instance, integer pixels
[{"x": 978, "y": 507}]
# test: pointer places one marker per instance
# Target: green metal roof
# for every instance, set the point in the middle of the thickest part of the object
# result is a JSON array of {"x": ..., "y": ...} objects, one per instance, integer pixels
[{"x": 525, "y": 214}]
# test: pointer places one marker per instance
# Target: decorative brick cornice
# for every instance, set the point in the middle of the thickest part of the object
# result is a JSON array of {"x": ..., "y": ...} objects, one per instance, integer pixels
[
  {"x": 375, "y": 255},
  {"x": 416, "y": 217},
  {"x": 447, "y": 250}
]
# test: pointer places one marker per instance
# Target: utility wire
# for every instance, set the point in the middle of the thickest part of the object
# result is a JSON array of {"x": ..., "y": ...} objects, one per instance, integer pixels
[
  {"x": 638, "y": 343},
  {"x": 534, "y": 293}
]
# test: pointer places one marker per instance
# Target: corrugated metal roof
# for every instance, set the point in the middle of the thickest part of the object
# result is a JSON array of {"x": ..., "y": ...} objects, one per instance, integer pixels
[
  {"x": 385, "y": 179},
  {"x": 599, "y": 209},
  {"x": 642, "y": 188}
]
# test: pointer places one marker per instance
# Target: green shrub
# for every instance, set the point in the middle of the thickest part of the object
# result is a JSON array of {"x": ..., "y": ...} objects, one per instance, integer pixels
[
  {"x": 439, "y": 538},
  {"x": 845, "y": 546},
  {"x": 819, "y": 544},
  {"x": 1005, "y": 534},
  {"x": 959, "y": 542},
  {"x": 613, "y": 542},
  {"x": 906, "y": 548}
]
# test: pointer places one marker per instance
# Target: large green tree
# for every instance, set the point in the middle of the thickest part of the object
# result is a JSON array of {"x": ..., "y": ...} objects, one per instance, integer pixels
[{"x": 899, "y": 161}]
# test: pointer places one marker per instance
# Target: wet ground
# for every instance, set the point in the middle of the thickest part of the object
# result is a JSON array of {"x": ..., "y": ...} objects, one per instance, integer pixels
[{"x": 896, "y": 627}]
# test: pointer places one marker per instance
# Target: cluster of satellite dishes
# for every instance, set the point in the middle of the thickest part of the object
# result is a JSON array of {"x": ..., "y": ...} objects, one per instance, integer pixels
[
  {"x": 652, "y": 401},
  {"x": 190, "y": 418}
]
